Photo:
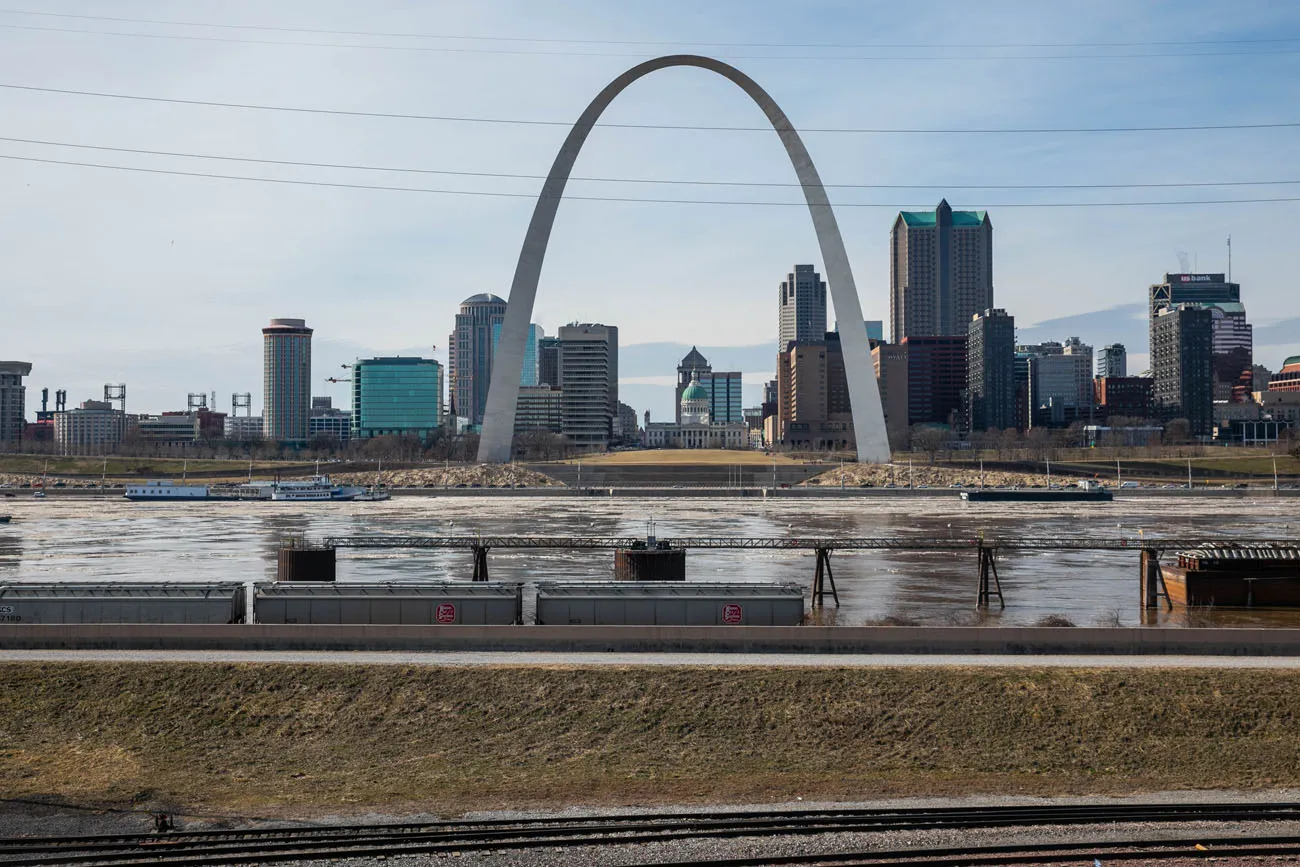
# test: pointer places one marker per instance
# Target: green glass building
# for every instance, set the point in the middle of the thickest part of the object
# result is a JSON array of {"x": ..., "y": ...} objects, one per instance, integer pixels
[{"x": 396, "y": 397}]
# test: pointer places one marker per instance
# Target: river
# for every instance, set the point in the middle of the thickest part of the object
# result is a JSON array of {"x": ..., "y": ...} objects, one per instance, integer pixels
[{"x": 84, "y": 539}]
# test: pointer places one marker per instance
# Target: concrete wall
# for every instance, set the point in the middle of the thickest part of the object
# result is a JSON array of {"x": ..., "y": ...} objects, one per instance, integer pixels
[{"x": 685, "y": 639}]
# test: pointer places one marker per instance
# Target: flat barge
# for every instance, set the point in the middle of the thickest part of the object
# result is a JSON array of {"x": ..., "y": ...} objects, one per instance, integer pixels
[
  {"x": 1068, "y": 495},
  {"x": 1235, "y": 576}
]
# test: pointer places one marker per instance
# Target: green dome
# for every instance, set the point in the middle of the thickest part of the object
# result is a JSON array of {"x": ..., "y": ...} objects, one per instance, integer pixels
[{"x": 695, "y": 391}]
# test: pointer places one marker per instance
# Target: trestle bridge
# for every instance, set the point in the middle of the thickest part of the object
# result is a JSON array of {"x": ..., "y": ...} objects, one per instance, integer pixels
[{"x": 989, "y": 587}]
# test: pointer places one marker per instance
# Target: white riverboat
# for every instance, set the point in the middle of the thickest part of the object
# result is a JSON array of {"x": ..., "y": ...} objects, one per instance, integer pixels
[
  {"x": 314, "y": 489},
  {"x": 167, "y": 490}
]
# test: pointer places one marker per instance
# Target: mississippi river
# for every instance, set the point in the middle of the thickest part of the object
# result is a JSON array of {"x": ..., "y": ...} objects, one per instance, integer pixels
[{"x": 81, "y": 539}]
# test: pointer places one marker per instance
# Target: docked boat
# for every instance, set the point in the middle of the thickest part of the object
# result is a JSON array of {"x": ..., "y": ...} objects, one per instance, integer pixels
[
  {"x": 316, "y": 489},
  {"x": 157, "y": 491},
  {"x": 1086, "y": 492},
  {"x": 4, "y": 519},
  {"x": 1231, "y": 575},
  {"x": 313, "y": 489}
]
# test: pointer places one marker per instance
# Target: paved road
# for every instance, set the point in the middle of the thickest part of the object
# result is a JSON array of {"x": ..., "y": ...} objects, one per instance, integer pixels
[{"x": 721, "y": 660}]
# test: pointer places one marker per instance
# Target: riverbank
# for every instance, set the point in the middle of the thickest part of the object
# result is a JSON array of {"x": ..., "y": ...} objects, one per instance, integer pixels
[{"x": 300, "y": 739}]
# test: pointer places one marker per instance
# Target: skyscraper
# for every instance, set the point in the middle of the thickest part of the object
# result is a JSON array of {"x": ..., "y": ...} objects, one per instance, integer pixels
[
  {"x": 1112, "y": 363},
  {"x": 469, "y": 356},
  {"x": 802, "y": 306},
  {"x": 528, "y": 373},
  {"x": 12, "y": 399},
  {"x": 548, "y": 361},
  {"x": 1233, "y": 336},
  {"x": 286, "y": 381},
  {"x": 936, "y": 378},
  {"x": 991, "y": 371},
  {"x": 396, "y": 397},
  {"x": 1182, "y": 341},
  {"x": 589, "y": 381},
  {"x": 941, "y": 271}
]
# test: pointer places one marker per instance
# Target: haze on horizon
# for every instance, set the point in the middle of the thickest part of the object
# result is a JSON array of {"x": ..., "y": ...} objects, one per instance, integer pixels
[{"x": 163, "y": 281}]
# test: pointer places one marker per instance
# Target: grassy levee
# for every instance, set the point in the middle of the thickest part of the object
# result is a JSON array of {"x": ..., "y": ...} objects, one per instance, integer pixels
[{"x": 298, "y": 739}]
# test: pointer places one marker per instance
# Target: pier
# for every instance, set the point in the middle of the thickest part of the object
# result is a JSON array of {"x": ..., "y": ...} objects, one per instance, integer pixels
[{"x": 989, "y": 587}]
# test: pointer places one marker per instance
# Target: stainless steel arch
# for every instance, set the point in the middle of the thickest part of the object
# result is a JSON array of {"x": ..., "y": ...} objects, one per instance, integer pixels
[{"x": 503, "y": 390}]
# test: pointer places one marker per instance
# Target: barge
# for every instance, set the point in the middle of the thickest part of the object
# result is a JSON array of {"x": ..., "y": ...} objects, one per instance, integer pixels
[
  {"x": 1086, "y": 492},
  {"x": 316, "y": 489},
  {"x": 1226, "y": 574}
]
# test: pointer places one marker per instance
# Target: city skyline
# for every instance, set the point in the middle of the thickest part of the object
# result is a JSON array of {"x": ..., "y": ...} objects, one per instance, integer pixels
[{"x": 93, "y": 253}]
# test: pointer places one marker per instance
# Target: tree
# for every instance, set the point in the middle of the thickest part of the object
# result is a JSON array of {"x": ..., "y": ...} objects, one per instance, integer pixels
[
  {"x": 927, "y": 439},
  {"x": 1178, "y": 431}
]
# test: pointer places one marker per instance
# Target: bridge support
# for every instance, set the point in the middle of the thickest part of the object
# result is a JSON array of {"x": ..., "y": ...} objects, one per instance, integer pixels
[
  {"x": 988, "y": 566},
  {"x": 1152, "y": 580},
  {"x": 480, "y": 563},
  {"x": 820, "y": 577}
]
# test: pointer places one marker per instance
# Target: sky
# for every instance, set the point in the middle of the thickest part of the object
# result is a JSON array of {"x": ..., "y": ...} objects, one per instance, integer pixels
[{"x": 163, "y": 281}]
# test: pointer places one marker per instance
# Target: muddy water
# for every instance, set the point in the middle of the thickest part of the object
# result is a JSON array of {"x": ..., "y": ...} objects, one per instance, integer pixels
[{"x": 73, "y": 539}]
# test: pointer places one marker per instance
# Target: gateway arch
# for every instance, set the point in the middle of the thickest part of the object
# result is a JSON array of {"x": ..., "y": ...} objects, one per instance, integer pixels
[{"x": 503, "y": 389}]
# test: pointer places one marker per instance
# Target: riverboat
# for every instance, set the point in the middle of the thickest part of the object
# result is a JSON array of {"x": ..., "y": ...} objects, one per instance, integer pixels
[
  {"x": 166, "y": 490},
  {"x": 1231, "y": 575},
  {"x": 314, "y": 489}
]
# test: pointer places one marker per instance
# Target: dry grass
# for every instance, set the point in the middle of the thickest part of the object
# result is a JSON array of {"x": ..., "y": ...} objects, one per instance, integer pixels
[
  {"x": 313, "y": 738},
  {"x": 687, "y": 457}
]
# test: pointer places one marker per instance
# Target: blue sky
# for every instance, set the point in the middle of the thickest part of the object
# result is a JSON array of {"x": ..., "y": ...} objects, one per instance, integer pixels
[{"x": 164, "y": 282}]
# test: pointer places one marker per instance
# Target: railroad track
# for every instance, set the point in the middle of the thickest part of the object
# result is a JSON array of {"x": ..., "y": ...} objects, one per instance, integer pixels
[{"x": 462, "y": 837}]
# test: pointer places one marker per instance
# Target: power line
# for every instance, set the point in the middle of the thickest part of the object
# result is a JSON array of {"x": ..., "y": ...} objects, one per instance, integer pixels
[
  {"x": 648, "y": 43},
  {"x": 649, "y": 181},
  {"x": 567, "y": 123},
  {"x": 621, "y": 199},
  {"x": 445, "y": 49}
]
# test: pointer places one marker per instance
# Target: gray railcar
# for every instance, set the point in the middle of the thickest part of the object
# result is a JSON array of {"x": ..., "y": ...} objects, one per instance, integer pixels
[
  {"x": 668, "y": 604},
  {"x": 440, "y": 603},
  {"x": 121, "y": 603}
]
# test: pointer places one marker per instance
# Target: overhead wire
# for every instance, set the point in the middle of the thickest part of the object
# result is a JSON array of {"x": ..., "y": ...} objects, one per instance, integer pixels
[
  {"x": 639, "y": 181},
  {"x": 617, "y": 125},
  {"x": 619, "y": 199},
  {"x": 648, "y": 43}
]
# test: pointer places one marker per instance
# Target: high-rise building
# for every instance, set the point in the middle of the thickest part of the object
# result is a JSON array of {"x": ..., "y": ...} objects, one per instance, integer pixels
[
  {"x": 941, "y": 271},
  {"x": 890, "y": 363},
  {"x": 93, "y": 428},
  {"x": 589, "y": 380},
  {"x": 396, "y": 397},
  {"x": 693, "y": 364},
  {"x": 991, "y": 371},
  {"x": 469, "y": 354},
  {"x": 725, "y": 399},
  {"x": 802, "y": 307},
  {"x": 1233, "y": 336},
  {"x": 528, "y": 372},
  {"x": 1260, "y": 377},
  {"x": 286, "y": 366},
  {"x": 548, "y": 361},
  {"x": 936, "y": 378},
  {"x": 1112, "y": 363},
  {"x": 1083, "y": 370},
  {"x": 1182, "y": 362},
  {"x": 12, "y": 400},
  {"x": 1054, "y": 394}
]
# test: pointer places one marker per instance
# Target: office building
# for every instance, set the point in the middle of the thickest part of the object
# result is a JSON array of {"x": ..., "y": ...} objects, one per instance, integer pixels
[
  {"x": 1112, "y": 362},
  {"x": 889, "y": 360},
  {"x": 327, "y": 422},
  {"x": 539, "y": 409},
  {"x": 588, "y": 367},
  {"x": 1260, "y": 377},
  {"x": 1126, "y": 396},
  {"x": 469, "y": 355},
  {"x": 991, "y": 371},
  {"x": 1183, "y": 365},
  {"x": 286, "y": 366},
  {"x": 13, "y": 411},
  {"x": 93, "y": 428},
  {"x": 692, "y": 365},
  {"x": 813, "y": 396},
  {"x": 802, "y": 307},
  {"x": 941, "y": 271},
  {"x": 243, "y": 427},
  {"x": 936, "y": 378},
  {"x": 396, "y": 397},
  {"x": 528, "y": 372},
  {"x": 1083, "y": 370},
  {"x": 548, "y": 361},
  {"x": 1232, "y": 335},
  {"x": 1054, "y": 393},
  {"x": 626, "y": 430}
]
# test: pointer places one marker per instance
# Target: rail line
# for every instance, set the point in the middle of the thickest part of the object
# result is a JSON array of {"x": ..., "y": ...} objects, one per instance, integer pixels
[{"x": 462, "y": 837}]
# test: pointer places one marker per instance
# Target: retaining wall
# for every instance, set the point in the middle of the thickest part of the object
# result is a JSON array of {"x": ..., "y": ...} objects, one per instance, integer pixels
[{"x": 684, "y": 639}]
